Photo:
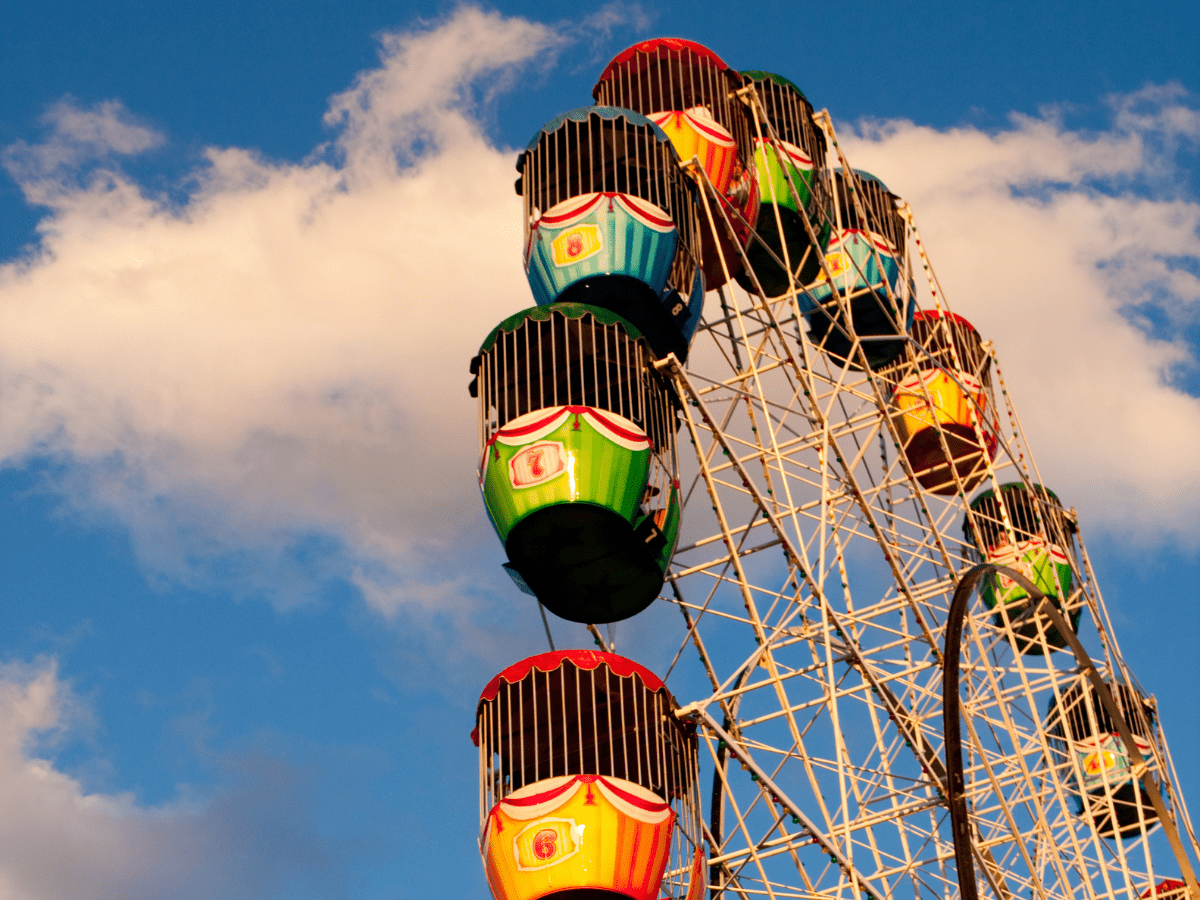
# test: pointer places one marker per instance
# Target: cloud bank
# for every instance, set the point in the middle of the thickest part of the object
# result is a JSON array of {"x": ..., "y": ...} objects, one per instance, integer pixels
[
  {"x": 1078, "y": 255},
  {"x": 280, "y": 362},
  {"x": 266, "y": 382},
  {"x": 59, "y": 841}
]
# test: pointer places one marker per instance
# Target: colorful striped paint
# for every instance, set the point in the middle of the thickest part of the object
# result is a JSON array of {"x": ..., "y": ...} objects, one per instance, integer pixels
[
  {"x": 948, "y": 411},
  {"x": 854, "y": 258},
  {"x": 599, "y": 234},
  {"x": 580, "y": 832},
  {"x": 696, "y": 134},
  {"x": 773, "y": 173},
  {"x": 1047, "y": 567},
  {"x": 565, "y": 454}
]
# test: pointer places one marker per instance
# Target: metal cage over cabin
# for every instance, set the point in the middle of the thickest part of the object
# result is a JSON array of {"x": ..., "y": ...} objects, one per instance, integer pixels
[
  {"x": 790, "y": 114},
  {"x": 610, "y": 220},
  {"x": 584, "y": 747},
  {"x": 793, "y": 184},
  {"x": 879, "y": 212},
  {"x": 872, "y": 297},
  {"x": 573, "y": 355},
  {"x": 666, "y": 74},
  {"x": 578, "y": 459},
  {"x": 1022, "y": 513},
  {"x": 1167, "y": 889},
  {"x": 692, "y": 95}
]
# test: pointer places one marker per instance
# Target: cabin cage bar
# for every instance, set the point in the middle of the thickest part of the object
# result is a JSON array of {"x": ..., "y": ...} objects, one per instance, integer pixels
[
  {"x": 571, "y": 355},
  {"x": 578, "y": 721},
  {"x": 790, "y": 117},
  {"x": 950, "y": 343},
  {"x": 665, "y": 75},
  {"x": 1080, "y": 714},
  {"x": 1168, "y": 889},
  {"x": 612, "y": 155},
  {"x": 883, "y": 216},
  {"x": 945, "y": 342},
  {"x": 586, "y": 719},
  {"x": 1014, "y": 515}
]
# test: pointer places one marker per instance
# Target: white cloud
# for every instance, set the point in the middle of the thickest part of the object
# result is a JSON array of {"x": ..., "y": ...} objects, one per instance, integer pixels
[
  {"x": 58, "y": 841},
  {"x": 77, "y": 136},
  {"x": 1048, "y": 240},
  {"x": 402, "y": 106},
  {"x": 286, "y": 354}
]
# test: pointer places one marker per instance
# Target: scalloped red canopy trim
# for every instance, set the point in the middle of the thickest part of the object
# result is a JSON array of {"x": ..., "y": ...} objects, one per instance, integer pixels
[
  {"x": 1163, "y": 887},
  {"x": 675, "y": 46},
  {"x": 940, "y": 314},
  {"x": 546, "y": 796},
  {"x": 543, "y": 797},
  {"x": 583, "y": 659}
]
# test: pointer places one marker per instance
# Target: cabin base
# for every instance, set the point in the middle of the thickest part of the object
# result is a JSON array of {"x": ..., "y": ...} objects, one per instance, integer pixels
[
  {"x": 928, "y": 459},
  {"x": 827, "y": 329},
  {"x": 1126, "y": 801},
  {"x": 718, "y": 246},
  {"x": 636, "y": 302},
  {"x": 585, "y": 563},
  {"x": 1024, "y": 636},
  {"x": 773, "y": 277}
]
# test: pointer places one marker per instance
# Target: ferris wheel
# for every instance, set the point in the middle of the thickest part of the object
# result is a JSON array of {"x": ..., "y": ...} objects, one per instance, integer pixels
[{"x": 744, "y": 393}]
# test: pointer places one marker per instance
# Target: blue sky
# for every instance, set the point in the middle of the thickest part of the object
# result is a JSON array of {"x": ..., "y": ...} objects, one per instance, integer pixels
[{"x": 248, "y": 595}]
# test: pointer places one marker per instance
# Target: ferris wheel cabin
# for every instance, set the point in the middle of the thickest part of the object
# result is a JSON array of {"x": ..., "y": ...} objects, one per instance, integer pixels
[
  {"x": 942, "y": 403},
  {"x": 789, "y": 169},
  {"x": 1087, "y": 749},
  {"x": 1167, "y": 889},
  {"x": 1030, "y": 532},
  {"x": 578, "y": 467},
  {"x": 610, "y": 220},
  {"x": 871, "y": 297},
  {"x": 588, "y": 782},
  {"x": 690, "y": 93}
]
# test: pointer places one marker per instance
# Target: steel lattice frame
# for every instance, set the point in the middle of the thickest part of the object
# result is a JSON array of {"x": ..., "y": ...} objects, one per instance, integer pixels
[{"x": 814, "y": 578}]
